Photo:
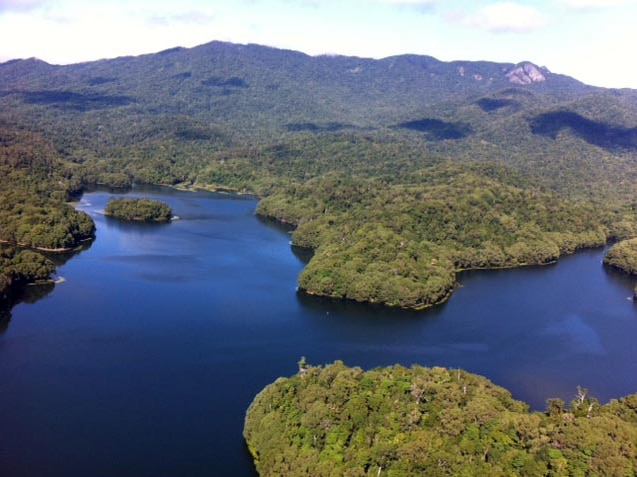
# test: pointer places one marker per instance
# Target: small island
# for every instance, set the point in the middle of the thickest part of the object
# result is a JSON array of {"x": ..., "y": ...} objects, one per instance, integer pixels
[{"x": 138, "y": 210}]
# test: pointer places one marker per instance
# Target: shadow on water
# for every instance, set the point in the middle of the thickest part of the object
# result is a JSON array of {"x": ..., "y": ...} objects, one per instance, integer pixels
[
  {"x": 275, "y": 224},
  {"x": 136, "y": 226},
  {"x": 60, "y": 259},
  {"x": 26, "y": 294},
  {"x": 303, "y": 254},
  {"x": 32, "y": 293},
  {"x": 620, "y": 278},
  {"x": 108, "y": 189},
  {"x": 356, "y": 311}
]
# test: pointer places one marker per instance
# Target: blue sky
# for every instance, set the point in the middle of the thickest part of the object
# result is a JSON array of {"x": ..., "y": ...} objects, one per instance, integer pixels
[{"x": 591, "y": 40}]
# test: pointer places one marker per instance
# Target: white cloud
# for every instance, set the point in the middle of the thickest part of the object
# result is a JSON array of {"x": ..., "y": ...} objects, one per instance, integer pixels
[
  {"x": 100, "y": 31},
  {"x": 506, "y": 17},
  {"x": 190, "y": 17},
  {"x": 416, "y": 3},
  {"x": 20, "y": 5},
  {"x": 593, "y": 4}
]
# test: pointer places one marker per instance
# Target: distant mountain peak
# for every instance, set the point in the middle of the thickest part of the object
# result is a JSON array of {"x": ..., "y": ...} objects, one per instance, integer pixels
[{"x": 526, "y": 73}]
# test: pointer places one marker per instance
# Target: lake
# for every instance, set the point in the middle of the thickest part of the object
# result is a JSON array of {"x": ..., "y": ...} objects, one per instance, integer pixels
[{"x": 145, "y": 359}]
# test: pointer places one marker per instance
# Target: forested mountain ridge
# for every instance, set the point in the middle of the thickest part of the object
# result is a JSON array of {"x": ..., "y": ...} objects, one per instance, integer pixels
[
  {"x": 222, "y": 81},
  {"x": 181, "y": 104},
  {"x": 348, "y": 148}
]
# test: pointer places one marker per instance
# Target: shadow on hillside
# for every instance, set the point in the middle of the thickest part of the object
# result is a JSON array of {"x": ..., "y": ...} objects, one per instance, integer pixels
[
  {"x": 438, "y": 130},
  {"x": 75, "y": 101},
  {"x": 493, "y": 104},
  {"x": 594, "y": 132},
  {"x": 317, "y": 128}
]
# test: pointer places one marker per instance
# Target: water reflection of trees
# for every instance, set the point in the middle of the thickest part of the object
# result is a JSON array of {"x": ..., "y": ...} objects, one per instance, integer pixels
[
  {"x": 27, "y": 294},
  {"x": 620, "y": 277},
  {"x": 33, "y": 292}
]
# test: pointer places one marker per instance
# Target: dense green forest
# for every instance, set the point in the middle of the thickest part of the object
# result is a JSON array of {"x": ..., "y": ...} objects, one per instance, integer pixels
[
  {"x": 395, "y": 421},
  {"x": 397, "y": 173},
  {"x": 138, "y": 210},
  {"x": 623, "y": 255},
  {"x": 35, "y": 217},
  {"x": 401, "y": 244}
]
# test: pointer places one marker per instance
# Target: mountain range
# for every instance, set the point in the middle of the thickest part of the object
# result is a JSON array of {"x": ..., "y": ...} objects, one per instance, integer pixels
[
  {"x": 324, "y": 140},
  {"x": 396, "y": 174},
  {"x": 228, "y": 95}
]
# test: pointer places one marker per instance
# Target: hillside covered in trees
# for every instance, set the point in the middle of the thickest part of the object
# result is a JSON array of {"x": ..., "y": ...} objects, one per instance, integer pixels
[
  {"x": 395, "y": 421},
  {"x": 397, "y": 173},
  {"x": 623, "y": 256},
  {"x": 35, "y": 185}
]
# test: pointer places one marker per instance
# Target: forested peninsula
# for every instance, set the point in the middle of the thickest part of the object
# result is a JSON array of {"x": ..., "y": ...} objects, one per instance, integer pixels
[
  {"x": 397, "y": 421},
  {"x": 397, "y": 173},
  {"x": 623, "y": 256}
]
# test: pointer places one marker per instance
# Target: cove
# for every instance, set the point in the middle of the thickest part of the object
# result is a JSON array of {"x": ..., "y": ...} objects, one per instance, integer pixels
[{"x": 143, "y": 362}]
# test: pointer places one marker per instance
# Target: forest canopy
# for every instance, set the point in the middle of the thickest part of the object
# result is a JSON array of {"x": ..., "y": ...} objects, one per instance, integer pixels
[
  {"x": 397, "y": 173},
  {"x": 35, "y": 217},
  {"x": 396, "y": 421},
  {"x": 138, "y": 210},
  {"x": 623, "y": 256},
  {"x": 402, "y": 244}
]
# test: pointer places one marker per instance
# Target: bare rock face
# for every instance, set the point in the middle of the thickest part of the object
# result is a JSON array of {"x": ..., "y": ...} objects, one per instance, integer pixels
[{"x": 526, "y": 73}]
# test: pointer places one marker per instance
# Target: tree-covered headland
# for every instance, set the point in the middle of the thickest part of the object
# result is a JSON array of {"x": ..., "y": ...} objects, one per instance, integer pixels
[
  {"x": 396, "y": 421},
  {"x": 623, "y": 256},
  {"x": 35, "y": 218}
]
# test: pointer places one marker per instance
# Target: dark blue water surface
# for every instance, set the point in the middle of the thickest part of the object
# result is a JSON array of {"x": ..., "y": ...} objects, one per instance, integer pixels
[{"x": 143, "y": 362}]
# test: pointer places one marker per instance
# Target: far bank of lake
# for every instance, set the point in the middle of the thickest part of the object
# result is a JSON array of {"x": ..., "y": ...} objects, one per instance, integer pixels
[{"x": 145, "y": 359}]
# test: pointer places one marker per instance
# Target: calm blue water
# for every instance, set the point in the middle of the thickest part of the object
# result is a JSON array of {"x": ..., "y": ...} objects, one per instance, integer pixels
[{"x": 144, "y": 361}]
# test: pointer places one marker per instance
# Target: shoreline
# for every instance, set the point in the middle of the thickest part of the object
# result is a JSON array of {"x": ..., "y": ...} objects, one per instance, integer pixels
[
  {"x": 456, "y": 272},
  {"x": 45, "y": 249},
  {"x": 288, "y": 224}
]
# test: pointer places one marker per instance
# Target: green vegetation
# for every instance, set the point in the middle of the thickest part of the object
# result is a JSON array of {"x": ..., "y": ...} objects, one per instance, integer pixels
[
  {"x": 34, "y": 216},
  {"x": 397, "y": 173},
  {"x": 401, "y": 244},
  {"x": 623, "y": 255},
  {"x": 138, "y": 210},
  {"x": 337, "y": 420},
  {"x": 22, "y": 266}
]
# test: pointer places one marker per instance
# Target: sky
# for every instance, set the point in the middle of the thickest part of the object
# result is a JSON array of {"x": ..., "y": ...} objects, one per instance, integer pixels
[{"x": 591, "y": 40}]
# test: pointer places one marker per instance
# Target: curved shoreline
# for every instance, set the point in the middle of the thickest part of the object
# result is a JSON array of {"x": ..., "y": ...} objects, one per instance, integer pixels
[
  {"x": 45, "y": 249},
  {"x": 456, "y": 271},
  {"x": 293, "y": 225}
]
